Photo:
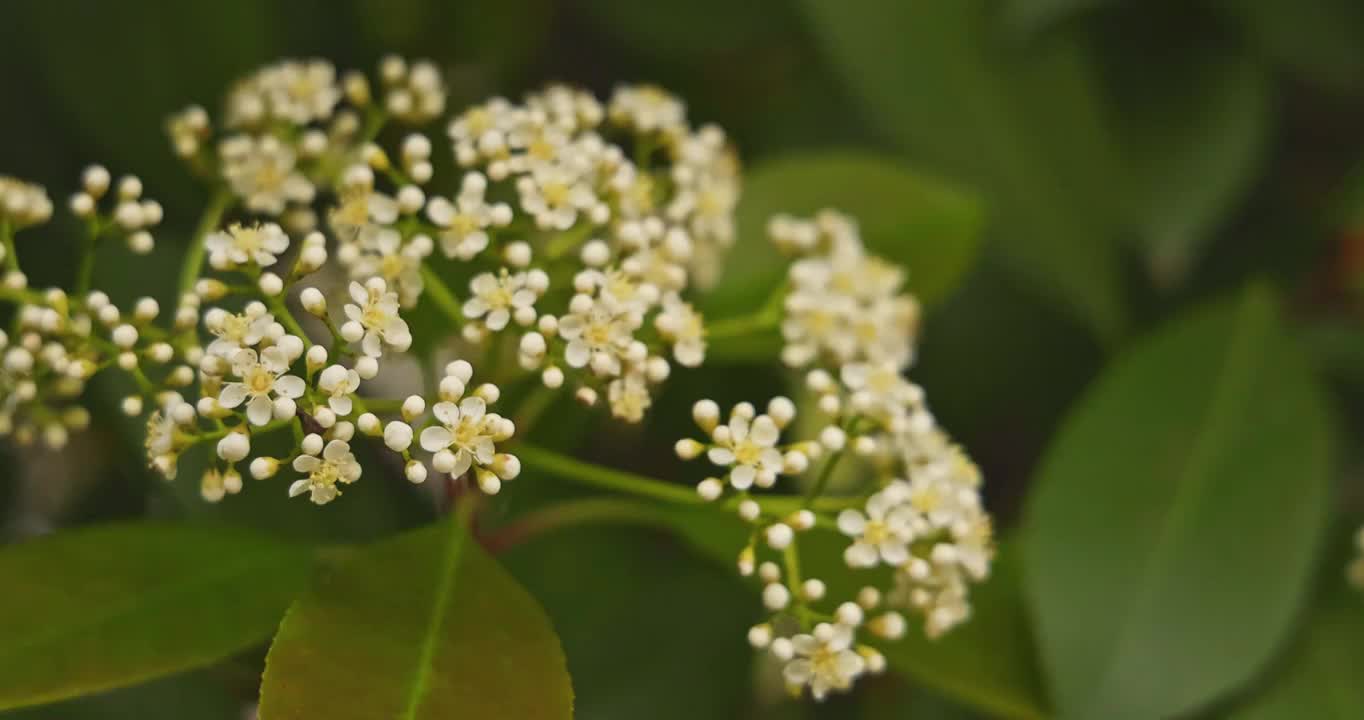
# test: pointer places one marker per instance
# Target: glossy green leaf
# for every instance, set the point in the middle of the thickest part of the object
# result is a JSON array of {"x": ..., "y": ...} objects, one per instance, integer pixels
[
  {"x": 1318, "y": 678},
  {"x": 650, "y": 629},
  {"x": 1319, "y": 39},
  {"x": 424, "y": 625},
  {"x": 1196, "y": 127},
  {"x": 1031, "y": 16},
  {"x": 988, "y": 663},
  {"x": 89, "y": 610},
  {"x": 930, "y": 227},
  {"x": 1020, "y": 123},
  {"x": 1173, "y": 527}
]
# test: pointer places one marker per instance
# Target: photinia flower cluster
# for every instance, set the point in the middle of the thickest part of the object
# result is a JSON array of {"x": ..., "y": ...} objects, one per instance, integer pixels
[{"x": 564, "y": 253}]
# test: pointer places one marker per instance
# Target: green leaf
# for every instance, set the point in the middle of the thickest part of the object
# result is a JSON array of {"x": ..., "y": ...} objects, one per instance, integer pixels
[
  {"x": 88, "y": 610},
  {"x": 1031, "y": 16},
  {"x": 1022, "y": 124},
  {"x": 1318, "y": 678},
  {"x": 1196, "y": 128},
  {"x": 641, "y": 584},
  {"x": 1204, "y": 453},
  {"x": 988, "y": 663},
  {"x": 424, "y": 625},
  {"x": 930, "y": 227},
  {"x": 1318, "y": 38}
]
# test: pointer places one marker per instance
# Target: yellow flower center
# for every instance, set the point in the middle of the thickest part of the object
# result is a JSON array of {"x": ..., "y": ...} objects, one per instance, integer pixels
[{"x": 258, "y": 380}]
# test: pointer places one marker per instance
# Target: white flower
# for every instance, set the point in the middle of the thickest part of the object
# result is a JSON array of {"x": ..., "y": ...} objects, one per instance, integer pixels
[
  {"x": 374, "y": 319},
  {"x": 647, "y": 108},
  {"x": 262, "y": 377},
  {"x": 749, "y": 450},
  {"x": 681, "y": 325},
  {"x": 845, "y": 304},
  {"x": 337, "y": 464},
  {"x": 361, "y": 206},
  {"x": 883, "y": 532},
  {"x": 465, "y": 223},
  {"x": 497, "y": 297},
  {"x": 629, "y": 397},
  {"x": 300, "y": 92},
  {"x": 598, "y": 329},
  {"x": 238, "y": 332},
  {"x": 824, "y": 661},
  {"x": 240, "y": 245},
  {"x": 482, "y": 130},
  {"x": 338, "y": 383},
  {"x": 23, "y": 204},
  {"x": 467, "y": 432},
  {"x": 261, "y": 172},
  {"x": 554, "y": 195},
  {"x": 381, "y": 253}
]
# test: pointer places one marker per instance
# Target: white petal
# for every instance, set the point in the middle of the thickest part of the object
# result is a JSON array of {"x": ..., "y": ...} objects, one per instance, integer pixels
[
  {"x": 742, "y": 477},
  {"x": 232, "y": 395},
  {"x": 765, "y": 431},
  {"x": 436, "y": 438},
  {"x": 290, "y": 386},
  {"x": 260, "y": 410},
  {"x": 851, "y": 522}
]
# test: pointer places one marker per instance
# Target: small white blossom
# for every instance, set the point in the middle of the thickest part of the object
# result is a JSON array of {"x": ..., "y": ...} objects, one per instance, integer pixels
[
  {"x": 339, "y": 383},
  {"x": 374, "y": 320},
  {"x": 824, "y": 661},
  {"x": 337, "y": 464},
  {"x": 263, "y": 378},
  {"x": 749, "y": 450},
  {"x": 241, "y": 245},
  {"x": 261, "y": 171},
  {"x": 498, "y": 298}
]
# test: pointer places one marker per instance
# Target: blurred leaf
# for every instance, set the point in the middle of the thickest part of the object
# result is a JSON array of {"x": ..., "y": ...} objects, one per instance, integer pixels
[
  {"x": 1196, "y": 128},
  {"x": 930, "y": 227},
  {"x": 1023, "y": 125},
  {"x": 117, "y": 604},
  {"x": 988, "y": 663},
  {"x": 161, "y": 54},
  {"x": 1318, "y": 38},
  {"x": 424, "y": 625},
  {"x": 1030, "y": 16},
  {"x": 1317, "y": 678},
  {"x": 1203, "y": 454},
  {"x": 694, "y": 29},
  {"x": 649, "y": 629},
  {"x": 198, "y": 695}
]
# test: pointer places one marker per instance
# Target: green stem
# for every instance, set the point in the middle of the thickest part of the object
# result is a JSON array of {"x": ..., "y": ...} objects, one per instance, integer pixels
[
  {"x": 440, "y": 294},
  {"x": 604, "y": 478},
  {"x": 85, "y": 272},
  {"x": 7, "y": 237},
  {"x": 536, "y": 403},
  {"x": 208, "y": 222},
  {"x": 817, "y": 489},
  {"x": 569, "y": 513}
]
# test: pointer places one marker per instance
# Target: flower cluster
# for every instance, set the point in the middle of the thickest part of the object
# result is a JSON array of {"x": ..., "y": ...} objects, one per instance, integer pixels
[
  {"x": 845, "y": 305},
  {"x": 577, "y": 225},
  {"x": 848, "y": 323},
  {"x": 57, "y": 341},
  {"x": 574, "y": 237}
]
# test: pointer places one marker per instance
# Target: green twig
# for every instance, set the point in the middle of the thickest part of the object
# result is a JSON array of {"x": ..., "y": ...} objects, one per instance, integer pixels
[
  {"x": 569, "y": 513},
  {"x": 440, "y": 294},
  {"x": 209, "y": 221}
]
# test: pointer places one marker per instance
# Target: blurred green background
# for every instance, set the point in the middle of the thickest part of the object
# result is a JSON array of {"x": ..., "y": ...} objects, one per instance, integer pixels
[{"x": 1131, "y": 160}]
